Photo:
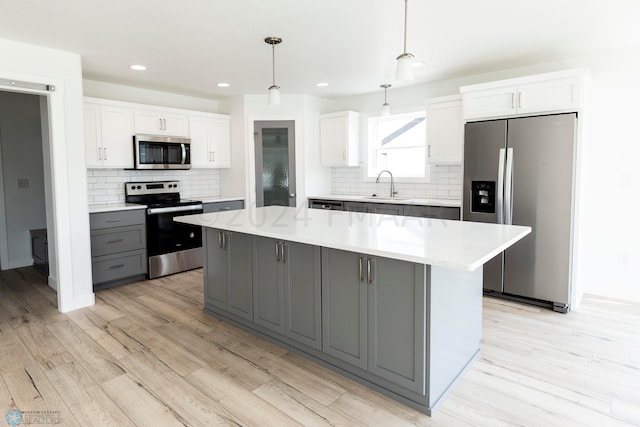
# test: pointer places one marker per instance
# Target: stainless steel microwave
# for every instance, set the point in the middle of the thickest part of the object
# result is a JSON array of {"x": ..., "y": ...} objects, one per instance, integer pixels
[{"x": 161, "y": 152}]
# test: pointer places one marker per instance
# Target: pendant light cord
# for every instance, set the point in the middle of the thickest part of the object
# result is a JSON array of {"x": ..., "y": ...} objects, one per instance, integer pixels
[
  {"x": 273, "y": 63},
  {"x": 406, "y": 4}
]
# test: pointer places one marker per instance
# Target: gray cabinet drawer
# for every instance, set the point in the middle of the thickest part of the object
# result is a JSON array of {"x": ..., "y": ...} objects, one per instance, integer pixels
[
  {"x": 108, "y": 268},
  {"x": 117, "y": 218},
  {"x": 121, "y": 239},
  {"x": 223, "y": 206},
  {"x": 440, "y": 212}
]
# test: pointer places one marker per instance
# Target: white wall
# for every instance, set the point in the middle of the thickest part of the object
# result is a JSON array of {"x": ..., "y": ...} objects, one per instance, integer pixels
[
  {"x": 67, "y": 169},
  {"x": 125, "y": 93},
  {"x": 21, "y": 153}
]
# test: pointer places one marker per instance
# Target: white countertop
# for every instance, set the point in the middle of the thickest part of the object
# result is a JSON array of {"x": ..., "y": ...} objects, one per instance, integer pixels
[
  {"x": 454, "y": 244},
  {"x": 112, "y": 207},
  {"x": 398, "y": 200}
]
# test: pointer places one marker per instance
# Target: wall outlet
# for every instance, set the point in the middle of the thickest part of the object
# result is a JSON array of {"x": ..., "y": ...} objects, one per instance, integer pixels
[{"x": 23, "y": 182}]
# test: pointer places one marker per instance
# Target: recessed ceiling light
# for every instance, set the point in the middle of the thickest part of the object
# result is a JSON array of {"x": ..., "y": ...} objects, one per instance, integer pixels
[
  {"x": 138, "y": 67},
  {"x": 416, "y": 64},
  {"x": 221, "y": 84},
  {"x": 322, "y": 84}
]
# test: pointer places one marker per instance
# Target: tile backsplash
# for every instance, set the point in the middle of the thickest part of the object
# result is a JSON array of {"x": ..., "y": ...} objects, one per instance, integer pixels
[
  {"x": 107, "y": 185},
  {"x": 446, "y": 183}
]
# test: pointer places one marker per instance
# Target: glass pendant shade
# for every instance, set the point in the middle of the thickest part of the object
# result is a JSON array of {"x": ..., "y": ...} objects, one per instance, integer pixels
[
  {"x": 404, "y": 68},
  {"x": 386, "y": 109},
  {"x": 274, "y": 95}
]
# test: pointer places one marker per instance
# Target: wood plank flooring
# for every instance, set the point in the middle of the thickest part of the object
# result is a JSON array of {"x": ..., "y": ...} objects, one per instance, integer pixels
[{"x": 146, "y": 355}]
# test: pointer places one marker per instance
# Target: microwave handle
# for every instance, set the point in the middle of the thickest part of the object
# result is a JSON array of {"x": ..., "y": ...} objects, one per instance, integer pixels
[{"x": 184, "y": 153}]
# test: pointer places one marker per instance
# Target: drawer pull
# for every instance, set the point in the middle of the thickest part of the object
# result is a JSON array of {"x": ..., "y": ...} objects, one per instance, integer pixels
[
  {"x": 115, "y": 241},
  {"x": 114, "y": 220},
  {"x": 113, "y": 267}
]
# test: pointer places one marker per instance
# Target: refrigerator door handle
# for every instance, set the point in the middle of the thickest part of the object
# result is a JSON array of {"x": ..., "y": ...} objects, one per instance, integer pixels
[
  {"x": 500, "y": 191},
  {"x": 508, "y": 190}
]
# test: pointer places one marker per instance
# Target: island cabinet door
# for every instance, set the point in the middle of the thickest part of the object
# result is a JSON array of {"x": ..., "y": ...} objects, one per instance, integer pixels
[
  {"x": 239, "y": 284},
  {"x": 344, "y": 306},
  {"x": 397, "y": 321},
  {"x": 302, "y": 293},
  {"x": 227, "y": 272},
  {"x": 216, "y": 269},
  {"x": 268, "y": 310}
]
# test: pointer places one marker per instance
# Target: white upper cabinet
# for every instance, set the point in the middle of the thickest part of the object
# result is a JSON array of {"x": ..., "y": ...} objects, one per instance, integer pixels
[
  {"x": 340, "y": 139},
  {"x": 108, "y": 136},
  {"x": 445, "y": 130},
  {"x": 543, "y": 93},
  {"x": 210, "y": 141},
  {"x": 161, "y": 122}
]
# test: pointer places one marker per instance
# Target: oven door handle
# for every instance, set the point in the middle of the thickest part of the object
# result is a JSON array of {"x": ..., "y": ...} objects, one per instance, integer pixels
[{"x": 155, "y": 211}]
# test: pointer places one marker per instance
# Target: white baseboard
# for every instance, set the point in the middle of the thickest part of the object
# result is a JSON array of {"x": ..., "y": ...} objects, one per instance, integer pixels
[{"x": 53, "y": 283}]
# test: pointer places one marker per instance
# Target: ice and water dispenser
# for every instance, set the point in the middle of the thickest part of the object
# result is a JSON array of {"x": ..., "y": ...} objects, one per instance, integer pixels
[{"x": 483, "y": 196}]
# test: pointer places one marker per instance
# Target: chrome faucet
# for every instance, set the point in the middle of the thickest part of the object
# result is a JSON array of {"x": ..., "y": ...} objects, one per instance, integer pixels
[{"x": 392, "y": 189}]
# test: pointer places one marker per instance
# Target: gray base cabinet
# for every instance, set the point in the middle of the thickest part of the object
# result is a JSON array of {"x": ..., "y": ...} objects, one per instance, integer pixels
[
  {"x": 118, "y": 247},
  {"x": 374, "y": 315},
  {"x": 287, "y": 288},
  {"x": 437, "y": 212},
  {"x": 230, "y": 205},
  {"x": 227, "y": 272}
]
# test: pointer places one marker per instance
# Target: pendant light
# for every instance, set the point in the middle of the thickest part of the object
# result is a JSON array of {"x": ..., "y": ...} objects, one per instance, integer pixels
[
  {"x": 274, "y": 90},
  {"x": 404, "y": 68},
  {"x": 386, "y": 109}
]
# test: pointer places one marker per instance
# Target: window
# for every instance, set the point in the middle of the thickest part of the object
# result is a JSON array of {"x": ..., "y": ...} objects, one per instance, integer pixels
[{"x": 398, "y": 143}]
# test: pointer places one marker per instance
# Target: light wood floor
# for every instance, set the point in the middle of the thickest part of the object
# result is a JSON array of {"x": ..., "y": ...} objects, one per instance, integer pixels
[{"x": 147, "y": 355}]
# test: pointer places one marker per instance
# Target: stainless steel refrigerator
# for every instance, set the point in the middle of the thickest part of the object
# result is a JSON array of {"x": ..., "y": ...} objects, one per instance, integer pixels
[{"x": 521, "y": 171}]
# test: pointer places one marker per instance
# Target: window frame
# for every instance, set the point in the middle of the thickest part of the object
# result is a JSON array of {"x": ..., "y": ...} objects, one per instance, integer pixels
[{"x": 370, "y": 149}]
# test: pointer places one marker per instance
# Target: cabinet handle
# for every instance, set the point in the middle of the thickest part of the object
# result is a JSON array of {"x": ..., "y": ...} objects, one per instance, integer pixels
[
  {"x": 513, "y": 100},
  {"x": 99, "y": 153},
  {"x": 224, "y": 240},
  {"x": 104, "y": 150},
  {"x": 213, "y": 156},
  {"x": 429, "y": 150},
  {"x": 220, "y": 239},
  {"x": 519, "y": 99},
  {"x": 114, "y": 220},
  {"x": 360, "y": 268},
  {"x": 283, "y": 254},
  {"x": 115, "y": 241},
  {"x": 369, "y": 278},
  {"x": 277, "y": 252},
  {"x": 113, "y": 267},
  {"x": 160, "y": 124}
]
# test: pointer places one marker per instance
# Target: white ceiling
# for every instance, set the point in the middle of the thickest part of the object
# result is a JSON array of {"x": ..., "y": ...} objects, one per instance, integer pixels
[{"x": 191, "y": 45}]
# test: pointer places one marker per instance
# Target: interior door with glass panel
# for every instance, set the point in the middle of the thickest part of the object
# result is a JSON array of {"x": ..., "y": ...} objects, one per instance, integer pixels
[{"x": 275, "y": 163}]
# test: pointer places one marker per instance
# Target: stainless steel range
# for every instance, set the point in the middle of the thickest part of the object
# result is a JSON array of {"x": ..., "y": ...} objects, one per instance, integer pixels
[{"x": 172, "y": 247}]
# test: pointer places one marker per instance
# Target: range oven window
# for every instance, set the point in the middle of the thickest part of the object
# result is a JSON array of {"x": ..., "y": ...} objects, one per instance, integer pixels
[{"x": 166, "y": 236}]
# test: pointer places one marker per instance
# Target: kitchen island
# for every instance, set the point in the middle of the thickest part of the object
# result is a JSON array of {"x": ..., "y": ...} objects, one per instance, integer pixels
[{"x": 392, "y": 302}]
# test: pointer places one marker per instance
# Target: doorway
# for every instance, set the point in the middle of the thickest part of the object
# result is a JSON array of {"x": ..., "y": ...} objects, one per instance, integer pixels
[
  {"x": 275, "y": 163},
  {"x": 22, "y": 180}
]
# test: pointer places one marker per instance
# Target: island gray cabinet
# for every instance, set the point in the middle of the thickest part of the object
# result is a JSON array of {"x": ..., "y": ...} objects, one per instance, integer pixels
[
  {"x": 227, "y": 272},
  {"x": 287, "y": 289},
  {"x": 374, "y": 315}
]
